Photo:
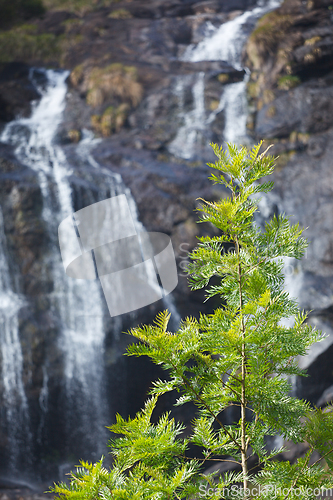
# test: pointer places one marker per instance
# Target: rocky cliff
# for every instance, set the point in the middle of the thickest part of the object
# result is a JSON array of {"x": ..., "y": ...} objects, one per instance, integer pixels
[
  {"x": 290, "y": 54},
  {"x": 129, "y": 84}
]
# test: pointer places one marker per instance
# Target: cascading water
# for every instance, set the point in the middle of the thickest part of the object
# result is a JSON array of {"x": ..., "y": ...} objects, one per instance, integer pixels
[
  {"x": 192, "y": 132},
  {"x": 221, "y": 44},
  {"x": 77, "y": 306},
  {"x": 17, "y": 419},
  {"x": 116, "y": 187},
  {"x": 226, "y": 44}
]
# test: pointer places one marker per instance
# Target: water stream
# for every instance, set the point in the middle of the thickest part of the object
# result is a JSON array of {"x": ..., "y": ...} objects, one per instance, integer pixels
[
  {"x": 221, "y": 44},
  {"x": 15, "y": 406},
  {"x": 77, "y": 305}
]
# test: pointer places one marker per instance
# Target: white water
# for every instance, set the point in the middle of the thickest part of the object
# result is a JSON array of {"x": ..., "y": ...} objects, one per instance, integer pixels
[
  {"x": 14, "y": 397},
  {"x": 235, "y": 113},
  {"x": 191, "y": 133},
  {"x": 226, "y": 42},
  {"x": 221, "y": 44},
  {"x": 116, "y": 187},
  {"x": 78, "y": 303}
]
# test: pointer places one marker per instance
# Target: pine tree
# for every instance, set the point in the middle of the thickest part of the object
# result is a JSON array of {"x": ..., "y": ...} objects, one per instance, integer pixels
[{"x": 240, "y": 356}]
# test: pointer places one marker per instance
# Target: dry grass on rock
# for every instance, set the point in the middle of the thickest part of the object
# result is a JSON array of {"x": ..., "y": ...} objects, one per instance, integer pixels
[{"x": 115, "y": 80}]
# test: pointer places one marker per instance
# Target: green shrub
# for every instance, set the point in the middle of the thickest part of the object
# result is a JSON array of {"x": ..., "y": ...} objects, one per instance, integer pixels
[
  {"x": 75, "y": 6},
  {"x": 77, "y": 75},
  {"x": 112, "y": 120},
  {"x": 239, "y": 357},
  {"x": 24, "y": 43}
]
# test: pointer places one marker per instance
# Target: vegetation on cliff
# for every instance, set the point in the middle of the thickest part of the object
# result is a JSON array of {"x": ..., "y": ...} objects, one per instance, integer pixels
[
  {"x": 239, "y": 357},
  {"x": 22, "y": 43},
  {"x": 112, "y": 91},
  {"x": 18, "y": 11},
  {"x": 79, "y": 7},
  {"x": 292, "y": 39},
  {"x": 32, "y": 42}
]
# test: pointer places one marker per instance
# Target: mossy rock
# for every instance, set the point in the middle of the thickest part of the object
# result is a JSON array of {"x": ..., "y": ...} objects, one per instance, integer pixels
[
  {"x": 271, "y": 111},
  {"x": 77, "y": 74},
  {"x": 270, "y": 29},
  {"x": 79, "y": 7},
  {"x": 264, "y": 39},
  {"x": 288, "y": 82},
  {"x": 74, "y": 135},
  {"x": 112, "y": 120},
  {"x": 282, "y": 160},
  {"x": 120, "y": 14},
  {"x": 223, "y": 77},
  {"x": 25, "y": 43},
  {"x": 253, "y": 89}
]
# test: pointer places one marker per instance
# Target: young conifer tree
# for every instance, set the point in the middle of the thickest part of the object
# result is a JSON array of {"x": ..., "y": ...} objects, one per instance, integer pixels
[{"x": 240, "y": 356}]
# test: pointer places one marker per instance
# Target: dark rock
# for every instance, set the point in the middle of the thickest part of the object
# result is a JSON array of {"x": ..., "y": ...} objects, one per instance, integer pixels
[
  {"x": 16, "y": 91},
  {"x": 314, "y": 58},
  {"x": 54, "y": 22},
  {"x": 326, "y": 397},
  {"x": 299, "y": 122},
  {"x": 230, "y": 5},
  {"x": 320, "y": 377},
  {"x": 210, "y": 67},
  {"x": 305, "y": 109}
]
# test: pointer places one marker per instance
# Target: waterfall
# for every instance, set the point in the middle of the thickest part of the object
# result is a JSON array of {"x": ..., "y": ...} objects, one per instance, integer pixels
[
  {"x": 78, "y": 306},
  {"x": 117, "y": 187},
  {"x": 226, "y": 42},
  {"x": 77, "y": 303},
  {"x": 192, "y": 132},
  {"x": 221, "y": 44},
  {"x": 17, "y": 421}
]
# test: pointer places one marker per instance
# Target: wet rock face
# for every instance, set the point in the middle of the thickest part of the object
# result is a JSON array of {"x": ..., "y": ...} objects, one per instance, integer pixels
[
  {"x": 307, "y": 109},
  {"x": 125, "y": 69},
  {"x": 16, "y": 91},
  {"x": 21, "y": 205},
  {"x": 291, "y": 90}
]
